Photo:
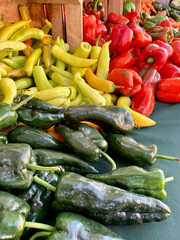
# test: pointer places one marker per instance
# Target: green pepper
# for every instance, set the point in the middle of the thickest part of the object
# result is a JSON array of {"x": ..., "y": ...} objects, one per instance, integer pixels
[
  {"x": 8, "y": 114},
  {"x": 38, "y": 113},
  {"x": 35, "y": 138},
  {"x": 105, "y": 203},
  {"x": 17, "y": 165},
  {"x": 39, "y": 199},
  {"x": 45, "y": 157},
  {"x": 113, "y": 117},
  {"x": 138, "y": 153},
  {"x": 175, "y": 5},
  {"x": 3, "y": 139},
  {"x": 82, "y": 144},
  {"x": 153, "y": 21},
  {"x": 128, "y": 6},
  {"x": 136, "y": 179}
]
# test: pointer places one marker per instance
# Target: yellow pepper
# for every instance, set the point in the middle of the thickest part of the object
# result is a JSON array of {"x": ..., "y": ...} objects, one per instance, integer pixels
[
  {"x": 9, "y": 90},
  {"x": 139, "y": 119}
]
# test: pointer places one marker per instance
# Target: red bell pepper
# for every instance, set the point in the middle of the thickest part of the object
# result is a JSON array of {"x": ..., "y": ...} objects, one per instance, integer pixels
[
  {"x": 144, "y": 101},
  {"x": 169, "y": 70},
  {"x": 121, "y": 38},
  {"x": 153, "y": 56},
  {"x": 169, "y": 90},
  {"x": 164, "y": 34},
  {"x": 176, "y": 52},
  {"x": 95, "y": 7},
  {"x": 117, "y": 19},
  {"x": 164, "y": 45},
  {"x": 164, "y": 23},
  {"x": 124, "y": 60},
  {"x": 89, "y": 28},
  {"x": 132, "y": 16},
  {"x": 109, "y": 27},
  {"x": 135, "y": 52},
  {"x": 101, "y": 30},
  {"x": 129, "y": 79},
  {"x": 88, "y": 8}
]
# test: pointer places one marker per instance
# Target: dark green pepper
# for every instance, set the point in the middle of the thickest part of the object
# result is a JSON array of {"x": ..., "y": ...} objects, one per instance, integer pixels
[
  {"x": 113, "y": 117},
  {"x": 174, "y": 15},
  {"x": 130, "y": 149},
  {"x": 38, "y": 113},
  {"x": 136, "y": 179},
  {"x": 82, "y": 145},
  {"x": 17, "y": 165},
  {"x": 45, "y": 157},
  {"x": 8, "y": 114},
  {"x": 174, "y": 6},
  {"x": 35, "y": 138},
  {"x": 105, "y": 203},
  {"x": 153, "y": 21},
  {"x": 128, "y": 6},
  {"x": 3, "y": 139}
]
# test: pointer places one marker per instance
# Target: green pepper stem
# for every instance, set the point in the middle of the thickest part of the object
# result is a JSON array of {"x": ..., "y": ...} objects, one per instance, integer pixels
[
  {"x": 44, "y": 183},
  {"x": 41, "y": 226},
  {"x": 109, "y": 159},
  {"x": 119, "y": 86},
  {"x": 169, "y": 179},
  {"x": 42, "y": 168},
  {"x": 167, "y": 157},
  {"x": 150, "y": 60},
  {"x": 22, "y": 103},
  {"x": 97, "y": 40},
  {"x": 40, "y": 234}
]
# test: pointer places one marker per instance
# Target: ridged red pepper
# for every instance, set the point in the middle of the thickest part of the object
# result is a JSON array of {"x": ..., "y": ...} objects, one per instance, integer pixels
[
  {"x": 132, "y": 16},
  {"x": 89, "y": 28},
  {"x": 124, "y": 60},
  {"x": 117, "y": 19},
  {"x": 164, "y": 34},
  {"x": 176, "y": 52},
  {"x": 101, "y": 30},
  {"x": 169, "y": 70},
  {"x": 167, "y": 46}
]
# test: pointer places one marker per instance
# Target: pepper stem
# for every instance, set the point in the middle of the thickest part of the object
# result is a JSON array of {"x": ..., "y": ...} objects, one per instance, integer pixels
[
  {"x": 42, "y": 168},
  {"x": 167, "y": 157},
  {"x": 44, "y": 183},
  {"x": 97, "y": 40},
  {"x": 169, "y": 179},
  {"x": 150, "y": 60},
  {"x": 109, "y": 159},
  {"x": 41, "y": 226},
  {"x": 119, "y": 86},
  {"x": 22, "y": 103},
  {"x": 40, "y": 234},
  {"x": 95, "y": 5}
]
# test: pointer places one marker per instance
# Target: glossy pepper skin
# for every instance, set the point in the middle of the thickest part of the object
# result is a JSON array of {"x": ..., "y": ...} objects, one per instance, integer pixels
[
  {"x": 153, "y": 21},
  {"x": 79, "y": 227},
  {"x": 176, "y": 52},
  {"x": 39, "y": 199},
  {"x": 3, "y": 139},
  {"x": 34, "y": 137},
  {"x": 167, "y": 46},
  {"x": 123, "y": 60},
  {"x": 116, "y": 118},
  {"x": 104, "y": 203},
  {"x": 164, "y": 34},
  {"x": 128, "y": 6},
  {"x": 7, "y": 116},
  {"x": 169, "y": 70},
  {"x": 39, "y": 114},
  {"x": 45, "y": 157},
  {"x": 135, "y": 179},
  {"x": 132, "y": 16},
  {"x": 89, "y": 28},
  {"x": 117, "y": 19}
]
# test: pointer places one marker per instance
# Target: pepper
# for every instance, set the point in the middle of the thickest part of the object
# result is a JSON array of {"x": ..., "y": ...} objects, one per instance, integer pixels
[
  {"x": 24, "y": 83},
  {"x": 47, "y": 27},
  {"x": 128, "y": 6},
  {"x": 176, "y": 52},
  {"x": 24, "y": 12},
  {"x": 82, "y": 144},
  {"x": 3, "y": 139},
  {"x": 12, "y": 46},
  {"x": 9, "y": 90},
  {"x": 100, "y": 30},
  {"x": 45, "y": 157},
  {"x": 35, "y": 138},
  {"x": 136, "y": 179},
  {"x": 38, "y": 113},
  {"x": 165, "y": 45},
  {"x": 164, "y": 34},
  {"x": 109, "y": 204},
  {"x": 123, "y": 60},
  {"x": 46, "y": 52},
  {"x": 39, "y": 77},
  {"x": 169, "y": 70},
  {"x": 94, "y": 54},
  {"x": 153, "y": 21},
  {"x": 129, "y": 79},
  {"x": 153, "y": 56},
  {"x": 8, "y": 114},
  {"x": 132, "y": 16},
  {"x": 121, "y": 38},
  {"x": 89, "y": 28},
  {"x": 117, "y": 19},
  {"x": 133, "y": 151}
]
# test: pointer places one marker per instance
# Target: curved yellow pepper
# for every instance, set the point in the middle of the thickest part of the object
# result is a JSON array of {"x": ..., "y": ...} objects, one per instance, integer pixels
[{"x": 9, "y": 89}]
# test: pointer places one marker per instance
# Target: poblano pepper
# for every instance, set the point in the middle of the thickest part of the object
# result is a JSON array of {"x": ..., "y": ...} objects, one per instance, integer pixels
[
  {"x": 45, "y": 157},
  {"x": 127, "y": 147},
  {"x": 112, "y": 117},
  {"x": 17, "y": 165},
  {"x": 3, "y": 139},
  {"x": 38, "y": 113},
  {"x": 82, "y": 144},
  {"x": 35, "y": 138},
  {"x": 136, "y": 179}
]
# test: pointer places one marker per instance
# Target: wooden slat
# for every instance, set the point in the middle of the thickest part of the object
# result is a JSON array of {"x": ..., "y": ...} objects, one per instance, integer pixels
[
  {"x": 74, "y": 2},
  {"x": 115, "y": 6},
  {"x": 37, "y": 14}
]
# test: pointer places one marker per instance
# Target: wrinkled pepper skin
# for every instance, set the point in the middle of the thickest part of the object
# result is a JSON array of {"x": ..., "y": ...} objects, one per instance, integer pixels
[
  {"x": 7, "y": 116},
  {"x": 113, "y": 117},
  {"x": 3, "y": 139},
  {"x": 39, "y": 199},
  {"x": 80, "y": 227},
  {"x": 34, "y": 137},
  {"x": 45, "y": 157},
  {"x": 105, "y": 203},
  {"x": 39, "y": 114},
  {"x": 135, "y": 179},
  {"x": 14, "y": 160},
  {"x": 58, "y": 235}
]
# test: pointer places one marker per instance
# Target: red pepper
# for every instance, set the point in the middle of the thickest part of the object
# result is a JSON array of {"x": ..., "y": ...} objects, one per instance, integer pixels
[
  {"x": 150, "y": 79},
  {"x": 117, "y": 19},
  {"x": 127, "y": 78},
  {"x": 169, "y": 70},
  {"x": 132, "y": 16},
  {"x": 153, "y": 56},
  {"x": 176, "y": 52},
  {"x": 135, "y": 52},
  {"x": 164, "y": 23},
  {"x": 164, "y": 34},
  {"x": 89, "y": 28},
  {"x": 144, "y": 101},
  {"x": 101, "y": 41},
  {"x": 134, "y": 68},
  {"x": 169, "y": 90},
  {"x": 121, "y": 37},
  {"x": 88, "y": 8},
  {"x": 101, "y": 30},
  {"x": 109, "y": 27},
  {"x": 124, "y": 60},
  {"x": 164, "y": 45}
]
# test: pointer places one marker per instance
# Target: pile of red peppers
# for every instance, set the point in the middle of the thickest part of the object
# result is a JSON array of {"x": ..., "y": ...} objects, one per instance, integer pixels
[{"x": 146, "y": 62}]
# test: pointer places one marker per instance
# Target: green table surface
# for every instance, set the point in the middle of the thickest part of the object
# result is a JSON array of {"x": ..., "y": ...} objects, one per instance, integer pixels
[{"x": 166, "y": 135}]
